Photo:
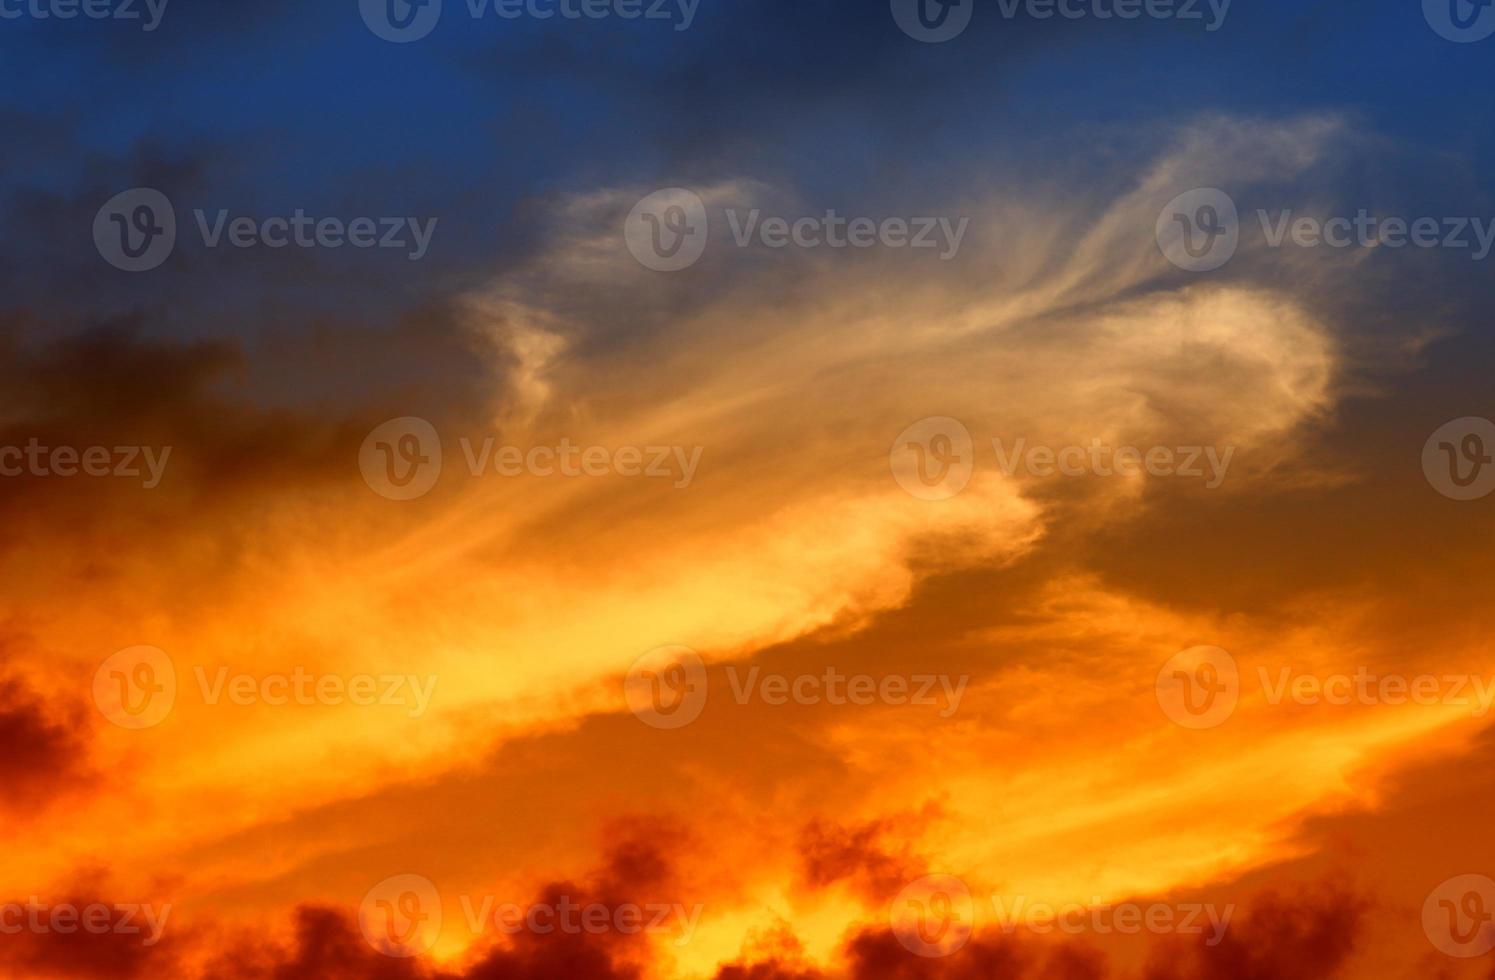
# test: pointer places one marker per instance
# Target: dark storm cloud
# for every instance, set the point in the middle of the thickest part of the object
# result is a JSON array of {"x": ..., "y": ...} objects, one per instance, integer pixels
[
  {"x": 201, "y": 439},
  {"x": 53, "y": 267},
  {"x": 1306, "y": 936},
  {"x": 864, "y": 854},
  {"x": 87, "y": 935},
  {"x": 327, "y": 945},
  {"x": 43, "y": 747}
]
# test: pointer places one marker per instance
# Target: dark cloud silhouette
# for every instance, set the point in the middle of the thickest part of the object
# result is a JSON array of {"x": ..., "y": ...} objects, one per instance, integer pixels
[
  {"x": 43, "y": 747},
  {"x": 1308, "y": 936},
  {"x": 862, "y": 854},
  {"x": 53, "y": 942},
  {"x": 326, "y": 945}
]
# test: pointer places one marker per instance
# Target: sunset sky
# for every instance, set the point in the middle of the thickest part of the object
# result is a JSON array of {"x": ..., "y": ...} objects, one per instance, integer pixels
[{"x": 724, "y": 490}]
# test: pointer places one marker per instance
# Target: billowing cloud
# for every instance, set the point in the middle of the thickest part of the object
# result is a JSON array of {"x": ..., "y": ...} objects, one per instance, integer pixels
[{"x": 778, "y": 543}]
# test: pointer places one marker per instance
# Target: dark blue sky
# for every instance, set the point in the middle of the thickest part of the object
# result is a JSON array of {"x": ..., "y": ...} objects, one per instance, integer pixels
[{"x": 267, "y": 107}]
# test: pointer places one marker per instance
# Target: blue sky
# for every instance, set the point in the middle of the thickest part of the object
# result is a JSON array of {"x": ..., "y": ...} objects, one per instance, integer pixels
[{"x": 267, "y": 108}]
